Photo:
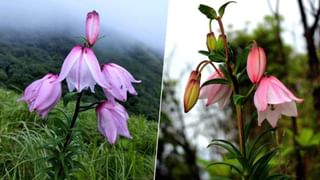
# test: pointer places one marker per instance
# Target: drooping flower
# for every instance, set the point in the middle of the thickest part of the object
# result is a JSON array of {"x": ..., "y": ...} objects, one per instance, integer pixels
[
  {"x": 120, "y": 80},
  {"x": 272, "y": 99},
  {"x": 112, "y": 120},
  {"x": 256, "y": 63},
  {"x": 43, "y": 94},
  {"x": 216, "y": 92},
  {"x": 92, "y": 27},
  {"x": 82, "y": 70},
  {"x": 191, "y": 92}
]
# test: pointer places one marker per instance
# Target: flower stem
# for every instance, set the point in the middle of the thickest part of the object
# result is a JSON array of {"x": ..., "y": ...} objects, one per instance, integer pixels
[
  {"x": 74, "y": 118},
  {"x": 241, "y": 130},
  {"x": 235, "y": 88},
  {"x": 68, "y": 137}
]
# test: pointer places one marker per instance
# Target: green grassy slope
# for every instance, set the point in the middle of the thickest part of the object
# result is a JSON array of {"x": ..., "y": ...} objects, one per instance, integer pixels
[{"x": 26, "y": 144}]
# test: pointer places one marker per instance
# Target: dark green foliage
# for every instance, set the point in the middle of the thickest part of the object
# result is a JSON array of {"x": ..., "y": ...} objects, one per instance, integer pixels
[
  {"x": 223, "y": 7},
  {"x": 27, "y": 56},
  {"x": 217, "y": 56},
  {"x": 255, "y": 164},
  {"x": 208, "y": 11}
]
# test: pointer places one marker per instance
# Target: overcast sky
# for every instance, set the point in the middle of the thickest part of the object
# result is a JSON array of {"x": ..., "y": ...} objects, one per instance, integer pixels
[{"x": 141, "y": 19}]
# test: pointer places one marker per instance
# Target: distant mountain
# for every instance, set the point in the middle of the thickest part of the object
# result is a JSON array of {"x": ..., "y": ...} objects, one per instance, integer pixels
[{"x": 28, "y": 55}]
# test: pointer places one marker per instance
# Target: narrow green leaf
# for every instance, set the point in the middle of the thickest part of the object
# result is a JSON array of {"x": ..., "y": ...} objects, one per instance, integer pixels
[
  {"x": 239, "y": 99},
  {"x": 255, "y": 152},
  {"x": 208, "y": 11},
  {"x": 227, "y": 145},
  {"x": 227, "y": 164},
  {"x": 215, "y": 57},
  {"x": 206, "y": 53},
  {"x": 247, "y": 127},
  {"x": 262, "y": 163},
  {"x": 215, "y": 81},
  {"x": 256, "y": 141},
  {"x": 223, "y": 7}
]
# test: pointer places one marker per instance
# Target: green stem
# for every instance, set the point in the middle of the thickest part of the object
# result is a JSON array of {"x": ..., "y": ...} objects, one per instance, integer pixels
[
  {"x": 241, "y": 130},
  {"x": 74, "y": 118},
  {"x": 235, "y": 88},
  {"x": 68, "y": 137},
  {"x": 251, "y": 89}
]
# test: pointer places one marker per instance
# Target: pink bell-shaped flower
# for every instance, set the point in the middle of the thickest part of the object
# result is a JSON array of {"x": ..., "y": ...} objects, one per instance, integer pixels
[
  {"x": 43, "y": 94},
  {"x": 256, "y": 63},
  {"x": 272, "y": 99},
  {"x": 216, "y": 92},
  {"x": 112, "y": 120},
  {"x": 92, "y": 27},
  {"x": 120, "y": 80},
  {"x": 82, "y": 70}
]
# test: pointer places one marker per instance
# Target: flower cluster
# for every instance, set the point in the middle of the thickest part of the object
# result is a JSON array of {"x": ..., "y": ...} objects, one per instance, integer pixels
[
  {"x": 82, "y": 71},
  {"x": 271, "y": 98}
]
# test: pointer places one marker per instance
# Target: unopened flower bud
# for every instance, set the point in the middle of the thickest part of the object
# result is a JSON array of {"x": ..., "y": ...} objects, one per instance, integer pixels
[
  {"x": 220, "y": 43},
  {"x": 256, "y": 63},
  {"x": 92, "y": 27},
  {"x": 211, "y": 41},
  {"x": 192, "y": 91}
]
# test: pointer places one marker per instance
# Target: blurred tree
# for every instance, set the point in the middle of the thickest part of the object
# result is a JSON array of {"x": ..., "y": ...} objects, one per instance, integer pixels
[
  {"x": 313, "y": 58},
  {"x": 177, "y": 158}
]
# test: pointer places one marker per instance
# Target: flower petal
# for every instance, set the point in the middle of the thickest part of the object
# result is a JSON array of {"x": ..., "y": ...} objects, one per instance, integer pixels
[
  {"x": 260, "y": 96},
  {"x": 225, "y": 98},
  {"x": 285, "y": 90},
  {"x": 49, "y": 93},
  {"x": 288, "y": 109},
  {"x": 68, "y": 63},
  {"x": 106, "y": 125},
  {"x": 94, "y": 68},
  {"x": 273, "y": 116},
  {"x": 262, "y": 115}
]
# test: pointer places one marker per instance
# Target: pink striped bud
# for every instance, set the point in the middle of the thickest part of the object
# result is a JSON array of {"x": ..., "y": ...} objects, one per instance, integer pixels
[
  {"x": 256, "y": 63},
  {"x": 92, "y": 27}
]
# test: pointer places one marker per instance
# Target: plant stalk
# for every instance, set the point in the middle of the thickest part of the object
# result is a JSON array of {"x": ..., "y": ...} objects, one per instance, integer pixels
[
  {"x": 235, "y": 87},
  {"x": 73, "y": 122},
  {"x": 241, "y": 130}
]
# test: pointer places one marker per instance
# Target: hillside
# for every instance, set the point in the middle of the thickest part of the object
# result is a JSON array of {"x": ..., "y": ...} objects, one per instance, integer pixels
[{"x": 28, "y": 55}]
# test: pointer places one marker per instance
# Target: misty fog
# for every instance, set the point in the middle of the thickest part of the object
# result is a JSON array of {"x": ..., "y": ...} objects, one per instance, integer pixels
[{"x": 143, "y": 20}]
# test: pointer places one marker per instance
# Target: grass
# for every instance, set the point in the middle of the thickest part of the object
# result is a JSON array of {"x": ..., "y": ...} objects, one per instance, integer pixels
[{"x": 29, "y": 145}]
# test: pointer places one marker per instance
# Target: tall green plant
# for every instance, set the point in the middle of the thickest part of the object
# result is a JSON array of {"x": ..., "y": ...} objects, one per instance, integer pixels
[{"x": 270, "y": 97}]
